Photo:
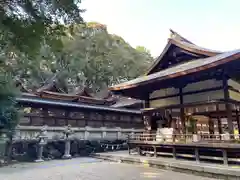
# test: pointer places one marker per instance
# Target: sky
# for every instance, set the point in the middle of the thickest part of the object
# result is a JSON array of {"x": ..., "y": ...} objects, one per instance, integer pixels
[{"x": 213, "y": 24}]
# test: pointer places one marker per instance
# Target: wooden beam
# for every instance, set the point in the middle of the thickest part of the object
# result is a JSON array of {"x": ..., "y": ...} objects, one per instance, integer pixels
[
  {"x": 188, "y": 93},
  {"x": 189, "y": 53}
]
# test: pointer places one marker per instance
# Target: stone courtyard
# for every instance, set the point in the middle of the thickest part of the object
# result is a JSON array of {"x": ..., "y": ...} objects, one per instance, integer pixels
[{"x": 88, "y": 169}]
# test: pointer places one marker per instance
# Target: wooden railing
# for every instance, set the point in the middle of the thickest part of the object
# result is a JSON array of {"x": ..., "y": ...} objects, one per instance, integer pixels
[
  {"x": 186, "y": 138},
  {"x": 208, "y": 147}
]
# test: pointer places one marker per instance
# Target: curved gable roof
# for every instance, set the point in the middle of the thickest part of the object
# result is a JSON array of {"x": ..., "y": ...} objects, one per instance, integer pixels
[
  {"x": 181, "y": 70},
  {"x": 181, "y": 42}
]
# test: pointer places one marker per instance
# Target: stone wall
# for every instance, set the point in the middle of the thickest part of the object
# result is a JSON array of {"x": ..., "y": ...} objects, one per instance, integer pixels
[
  {"x": 85, "y": 133},
  {"x": 82, "y": 141}
]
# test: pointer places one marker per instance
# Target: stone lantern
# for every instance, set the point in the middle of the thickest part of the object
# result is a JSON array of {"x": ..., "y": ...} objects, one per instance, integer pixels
[
  {"x": 67, "y": 132},
  {"x": 42, "y": 140}
]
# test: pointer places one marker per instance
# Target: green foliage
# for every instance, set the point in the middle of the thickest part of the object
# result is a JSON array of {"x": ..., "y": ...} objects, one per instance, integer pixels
[
  {"x": 143, "y": 50},
  {"x": 8, "y": 112},
  {"x": 90, "y": 57},
  {"x": 24, "y": 25}
]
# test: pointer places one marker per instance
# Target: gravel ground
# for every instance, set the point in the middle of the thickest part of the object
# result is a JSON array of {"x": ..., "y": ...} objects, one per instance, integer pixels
[{"x": 88, "y": 169}]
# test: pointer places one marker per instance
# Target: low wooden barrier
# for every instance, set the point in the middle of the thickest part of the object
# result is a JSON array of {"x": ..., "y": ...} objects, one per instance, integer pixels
[{"x": 202, "y": 147}]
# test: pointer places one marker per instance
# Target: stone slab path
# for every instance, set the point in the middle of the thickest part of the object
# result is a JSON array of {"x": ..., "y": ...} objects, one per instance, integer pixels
[{"x": 89, "y": 169}]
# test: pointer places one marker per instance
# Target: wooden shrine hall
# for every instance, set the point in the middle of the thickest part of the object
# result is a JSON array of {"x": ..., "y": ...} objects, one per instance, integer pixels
[
  {"x": 48, "y": 105},
  {"x": 188, "y": 81}
]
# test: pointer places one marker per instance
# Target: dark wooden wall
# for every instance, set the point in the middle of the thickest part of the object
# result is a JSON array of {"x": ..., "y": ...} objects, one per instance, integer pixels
[{"x": 60, "y": 117}]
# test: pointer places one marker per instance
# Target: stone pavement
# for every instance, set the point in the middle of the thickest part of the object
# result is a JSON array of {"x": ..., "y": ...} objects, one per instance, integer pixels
[
  {"x": 88, "y": 169},
  {"x": 186, "y": 166}
]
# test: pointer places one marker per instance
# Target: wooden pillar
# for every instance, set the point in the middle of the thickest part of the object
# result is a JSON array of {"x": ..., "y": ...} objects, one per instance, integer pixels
[
  {"x": 155, "y": 151},
  {"x": 197, "y": 157},
  {"x": 182, "y": 115},
  {"x": 67, "y": 115},
  {"x": 87, "y": 116},
  {"x": 129, "y": 149},
  {"x": 219, "y": 121},
  {"x": 138, "y": 149},
  {"x": 225, "y": 157},
  {"x": 228, "y": 105},
  {"x": 211, "y": 125},
  {"x": 45, "y": 115},
  {"x": 146, "y": 105},
  {"x": 146, "y": 101},
  {"x": 238, "y": 122},
  {"x": 174, "y": 152}
]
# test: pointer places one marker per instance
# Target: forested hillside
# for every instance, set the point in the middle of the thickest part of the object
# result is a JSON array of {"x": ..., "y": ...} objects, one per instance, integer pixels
[
  {"x": 89, "y": 57},
  {"x": 42, "y": 40}
]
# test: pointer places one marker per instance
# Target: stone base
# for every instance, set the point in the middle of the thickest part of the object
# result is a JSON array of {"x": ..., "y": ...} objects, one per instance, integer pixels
[
  {"x": 67, "y": 156},
  {"x": 39, "y": 160}
]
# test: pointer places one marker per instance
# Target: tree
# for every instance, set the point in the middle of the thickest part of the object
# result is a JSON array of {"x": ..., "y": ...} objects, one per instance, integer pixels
[
  {"x": 103, "y": 59},
  {"x": 143, "y": 50},
  {"x": 9, "y": 114},
  {"x": 25, "y": 24},
  {"x": 24, "y": 27},
  {"x": 90, "y": 57}
]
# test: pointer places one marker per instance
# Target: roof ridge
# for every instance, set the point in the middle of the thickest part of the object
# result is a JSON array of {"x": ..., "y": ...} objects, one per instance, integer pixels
[
  {"x": 185, "y": 44},
  {"x": 194, "y": 46},
  {"x": 177, "y": 36}
]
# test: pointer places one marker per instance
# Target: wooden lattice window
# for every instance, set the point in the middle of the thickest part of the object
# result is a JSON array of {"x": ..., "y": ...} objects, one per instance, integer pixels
[
  {"x": 125, "y": 118},
  {"x": 93, "y": 116},
  {"x": 114, "y": 117},
  {"x": 107, "y": 117},
  {"x": 99, "y": 117},
  {"x": 137, "y": 119},
  {"x": 36, "y": 110},
  {"x": 56, "y": 112}
]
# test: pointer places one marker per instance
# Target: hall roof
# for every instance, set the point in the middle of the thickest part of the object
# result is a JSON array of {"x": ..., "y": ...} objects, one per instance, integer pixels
[
  {"x": 182, "y": 43},
  {"x": 197, "y": 59},
  {"x": 181, "y": 70}
]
